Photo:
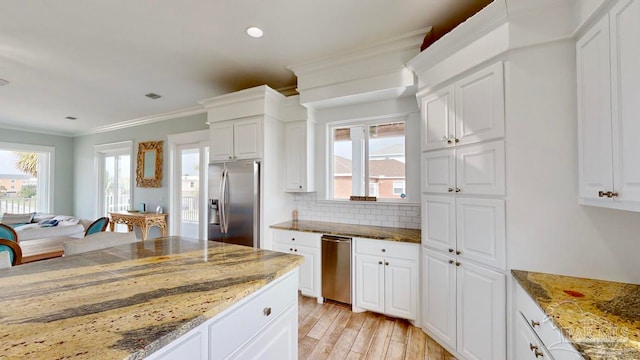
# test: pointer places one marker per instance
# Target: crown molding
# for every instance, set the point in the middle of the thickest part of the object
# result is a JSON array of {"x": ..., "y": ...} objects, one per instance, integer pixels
[
  {"x": 407, "y": 41},
  {"x": 193, "y": 110},
  {"x": 36, "y": 131},
  {"x": 254, "y": 93}
]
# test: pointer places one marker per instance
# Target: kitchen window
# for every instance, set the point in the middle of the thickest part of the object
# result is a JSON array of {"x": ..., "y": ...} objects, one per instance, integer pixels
[{"x": 368, "y": 159}]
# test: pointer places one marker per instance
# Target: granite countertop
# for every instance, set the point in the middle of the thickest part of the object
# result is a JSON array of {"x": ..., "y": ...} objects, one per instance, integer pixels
[
  {"x": 600, "y": 318},
  {"x": 365, "y": 231},
  {"x": 127, "y": 301}
]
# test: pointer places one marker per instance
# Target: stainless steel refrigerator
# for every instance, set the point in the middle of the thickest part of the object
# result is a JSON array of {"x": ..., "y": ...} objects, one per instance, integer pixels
[{"x": 234, "y": 202}]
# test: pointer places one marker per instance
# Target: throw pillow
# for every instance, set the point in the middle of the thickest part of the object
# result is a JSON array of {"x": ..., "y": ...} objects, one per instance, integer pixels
[{"x": 9, "y": 219}]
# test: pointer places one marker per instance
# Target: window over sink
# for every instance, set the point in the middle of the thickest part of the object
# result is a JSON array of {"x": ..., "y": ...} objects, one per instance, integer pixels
[{"x": 368, "y": 159}]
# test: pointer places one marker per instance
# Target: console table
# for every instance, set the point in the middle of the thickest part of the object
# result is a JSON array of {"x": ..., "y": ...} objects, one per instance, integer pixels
[{"x": 142, "y": 220}]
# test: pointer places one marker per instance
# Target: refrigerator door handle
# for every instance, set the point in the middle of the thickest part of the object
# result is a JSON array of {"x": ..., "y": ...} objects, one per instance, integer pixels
[{"x": 222, "y": 203}]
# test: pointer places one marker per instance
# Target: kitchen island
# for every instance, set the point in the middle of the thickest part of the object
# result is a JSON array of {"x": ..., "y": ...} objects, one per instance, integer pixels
[{"x": 131, "y": 301}]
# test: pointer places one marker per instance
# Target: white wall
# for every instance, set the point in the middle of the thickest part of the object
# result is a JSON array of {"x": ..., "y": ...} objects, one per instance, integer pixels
[
  {"x": 405, "y": 215},
  {"x": 547, "y": 230},
  {"x": 84, "y": 191}
]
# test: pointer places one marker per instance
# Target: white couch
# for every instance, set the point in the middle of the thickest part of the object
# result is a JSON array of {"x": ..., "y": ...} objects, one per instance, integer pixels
[{"x": 67, "y": 226}]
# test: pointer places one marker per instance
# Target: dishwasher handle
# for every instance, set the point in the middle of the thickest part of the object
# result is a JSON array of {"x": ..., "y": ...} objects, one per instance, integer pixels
[{"x": 335, "y": 239}]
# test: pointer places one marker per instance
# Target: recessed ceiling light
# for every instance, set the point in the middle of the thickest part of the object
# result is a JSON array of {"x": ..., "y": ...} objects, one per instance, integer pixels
[
  {"x": 71, "y": 118},
  {"x": 255, "y": 32},
  {"x": 3, "y": 82},
  {"x": 153, "y": 96}
]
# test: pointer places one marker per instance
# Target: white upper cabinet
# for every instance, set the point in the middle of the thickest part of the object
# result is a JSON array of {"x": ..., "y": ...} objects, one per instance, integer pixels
[
  {"x": 438, "y": 119},
  {"x": 299, "y": 154},
  {"x": 236, "y": 140},
  {"x": 608, "y": 77},
  {"x": 469, "y": 111},
  {"x": 625, "y": 92},
  {"x": 479, "y": 106},
  {"x": 221, "y": 141},
  {"x": 471, "y": 170}
]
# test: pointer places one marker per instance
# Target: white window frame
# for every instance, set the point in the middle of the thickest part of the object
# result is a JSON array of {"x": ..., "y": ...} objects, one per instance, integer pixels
[
  {"x": 45, "y": 166},
  {"x": 100, "y": 151},
  {"x": 364, "y": 149}
]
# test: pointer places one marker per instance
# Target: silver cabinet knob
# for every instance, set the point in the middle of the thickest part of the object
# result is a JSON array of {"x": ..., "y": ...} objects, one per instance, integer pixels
[
  {"x": 266, "y": 311},
  {"x": 534, "y": 323},
  {"x": 450, "y": 261}
]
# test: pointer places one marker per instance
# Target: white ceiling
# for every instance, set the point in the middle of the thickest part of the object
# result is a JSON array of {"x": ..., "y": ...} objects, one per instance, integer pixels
[{"x": 96, "y": 59}]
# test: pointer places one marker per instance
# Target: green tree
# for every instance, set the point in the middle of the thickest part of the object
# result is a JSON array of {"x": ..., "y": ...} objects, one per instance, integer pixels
[
  {"x": 27, "y": 163},
  {"x": 28, "y": 191}
]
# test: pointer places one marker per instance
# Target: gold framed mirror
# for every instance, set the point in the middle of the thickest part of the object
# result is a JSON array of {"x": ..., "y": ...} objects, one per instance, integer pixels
[{"x": 149, "y": 164}]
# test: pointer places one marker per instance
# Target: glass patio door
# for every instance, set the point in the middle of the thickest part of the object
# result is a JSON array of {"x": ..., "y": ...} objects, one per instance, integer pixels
[
  {"x": 116, "y": 182},
  {"x": 191, "y": 162}
]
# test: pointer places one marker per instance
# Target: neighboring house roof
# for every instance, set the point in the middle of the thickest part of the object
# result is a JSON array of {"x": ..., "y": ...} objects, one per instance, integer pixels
[{"x": 390, "y": 168}]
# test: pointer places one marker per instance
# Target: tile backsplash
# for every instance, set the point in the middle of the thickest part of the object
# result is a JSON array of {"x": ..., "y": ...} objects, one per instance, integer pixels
[{"x": 360, "y": 213}]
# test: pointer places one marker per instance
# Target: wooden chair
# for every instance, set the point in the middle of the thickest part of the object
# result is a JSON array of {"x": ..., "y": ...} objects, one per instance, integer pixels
[
  {"x": 97, "y": 226},
  {"x": 7, "y": 232},
  {"x": 14, "y": 250}
]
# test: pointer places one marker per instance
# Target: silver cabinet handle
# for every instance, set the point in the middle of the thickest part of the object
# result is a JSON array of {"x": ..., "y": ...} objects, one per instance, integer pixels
[
  {"x": 266, "y": 311},
  {"x": 534, "y": 323}
]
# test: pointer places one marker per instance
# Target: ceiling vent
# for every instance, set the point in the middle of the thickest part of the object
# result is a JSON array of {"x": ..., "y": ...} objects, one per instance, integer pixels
[
  {"x": 153, "y": 96},
  {"x": 3, "y": 82}
]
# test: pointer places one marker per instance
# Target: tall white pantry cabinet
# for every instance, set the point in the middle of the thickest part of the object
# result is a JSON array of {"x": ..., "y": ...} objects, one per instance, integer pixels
[{"x": 463, "y": 282}]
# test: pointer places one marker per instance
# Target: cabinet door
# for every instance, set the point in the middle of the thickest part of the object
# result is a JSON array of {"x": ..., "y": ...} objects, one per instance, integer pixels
[
  {"x": 480, "y": 231},
  {"x": 438, "y": 129},
  {"x": 221, "y": 147},
  {"x": 479, "y": 102},
  {"x": 279, "y": 340},
  {"x": 401, "y": 288},
  {"x": 625, "y": 92},
  {"x": 306, "y": 279},
  {"x": 526, "y": 341},
  {"x": 370, "y": 283},
  {"x": 438, "y": 171},
  {"x": 480, "y": 169},
  {"x": 594, "y": 112},
  {"x": 481, "y": 315},
  {"x": 307, "y": 282},
  {"x": 247, "y": 139},
  {"x": 439, "y": 222},
  {"x": 296, "y": 155},
  {"x": 439, "y": 296}
]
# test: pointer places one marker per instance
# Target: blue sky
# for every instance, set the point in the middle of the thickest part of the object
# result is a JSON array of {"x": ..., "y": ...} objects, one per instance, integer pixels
[{"x": 8, "y": 162}]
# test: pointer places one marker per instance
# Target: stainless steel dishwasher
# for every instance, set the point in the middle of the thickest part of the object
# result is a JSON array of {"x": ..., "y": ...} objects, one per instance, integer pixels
[{"x": 336, "y": 268}]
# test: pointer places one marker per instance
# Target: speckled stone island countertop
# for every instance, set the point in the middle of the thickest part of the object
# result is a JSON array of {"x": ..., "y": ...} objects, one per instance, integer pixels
[
  {"x": 128, "y": 301},
  {"x": 600, "y": 318},
  {"x": 365, "y": 231}
]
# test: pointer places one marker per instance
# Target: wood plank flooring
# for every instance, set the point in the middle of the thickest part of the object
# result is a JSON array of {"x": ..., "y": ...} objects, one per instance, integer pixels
[{"x": 331, "y": 331}]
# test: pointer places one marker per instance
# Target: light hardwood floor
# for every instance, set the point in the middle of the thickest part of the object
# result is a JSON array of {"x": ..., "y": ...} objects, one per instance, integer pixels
[{"x": 332, "y": 331}]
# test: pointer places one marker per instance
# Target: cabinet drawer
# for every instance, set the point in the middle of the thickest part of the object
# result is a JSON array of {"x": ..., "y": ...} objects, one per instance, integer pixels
[
  {"x": 543, "y": 326},
  {"x": 297, "y": 238},
  {"x": 242, "y": 323},
  {"x": 387, "y": 249}
]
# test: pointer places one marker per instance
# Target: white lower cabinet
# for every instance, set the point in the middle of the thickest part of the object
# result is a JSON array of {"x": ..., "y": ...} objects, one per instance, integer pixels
[
  {"x": 535, "y": 334},
  {"x": 308, "y": 245},
  {"x": 527, "y": 345},
  {"x": 386, "y": 277},
  {"x": 262, "y": 326},
  {"x": 464, "y": 306},
  {"x": 306, "y": 284}
]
